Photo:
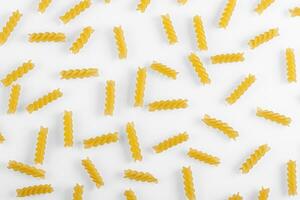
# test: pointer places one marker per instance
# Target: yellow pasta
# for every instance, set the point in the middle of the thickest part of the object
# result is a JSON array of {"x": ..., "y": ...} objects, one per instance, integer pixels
[
  {"x": 17, "y": 73},
  {"x": 93, "y": 172},
  {"x": 101, "y": 140},
  {"x": 82, "y": 39},
  {"x": 78, "y": 192},
  {"x": 120, "y": 42},
  {"x": 188, "y": 183},
  {"x": 110, "y": 98},
  {"x": 292, "y": 178},
  {"x": 130, "y": 195},
  {"x": 273, "y": 116},
  {"x": 168, "y": 105},
  {"x": 182, "y": 2},
  {"x": 2, "y": 139},
  {"x": 200, "y": 33},
  {"x": 254, "y": 158},
  {"x": 143, "y": 4},
  {"x": 47, "y": 37},
  {"x": 263, "y": 5},
  {"x": 241, "y": 89},
  {"x": 34, "y": 190},
  {"x": 107, "y": 1},
  {"x": 264, "y": 194},
  {"x": 199, "y": 68},
  {"x": 169, "y": 29},
  {"x": 26, "y": 169},
  {"x": 290, "y": 65},
  {"x": 164, "y": 70},
  {"x": 171, "y": 142},
  {"x": 140, "y": 84},
  {"x": 41, "y": 146},
  {"x": 44, "y": 100},
  {"x": 221, "y": 126},
  {"x": 295, "y": 12},
  {"x": 227, "y": 13},
  {"x": 79, "y": 73},
  {"x": 227, "y": 58},
  {"x": 10, "y": 26},
  {"x": 236, "y": 196},
  {"x": 140, "y": 176},
  {"x": 75, "y": 11},
  {"x": 203, "y": 157},
  {"x": 43, "y": 5},
  {"x": 68, "y": 129},
  {"x": 133, "y": 142},
  {"x": 263, "y": 38},
  {"x": 14, "y": 98}
]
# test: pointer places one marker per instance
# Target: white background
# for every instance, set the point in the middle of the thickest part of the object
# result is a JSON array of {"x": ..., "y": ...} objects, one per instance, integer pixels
[{"x": 147, "y": 42}]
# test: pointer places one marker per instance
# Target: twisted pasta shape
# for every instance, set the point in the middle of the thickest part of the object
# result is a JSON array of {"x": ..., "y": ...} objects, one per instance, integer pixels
[
  {"x": 236, "y": 196},
  {"x": 204, "y": 157},
  {"x": 221, "y": 126},
  {"x": 188, "y": 183},
  {"x": 171, "y": 142},
  {"x": 44, "y": 100},
  {"x": 47, "y": 37},
  {"x": 2, "y": 139},
  {"x": 101, "y": 140},
  {"x": 241, "y": 89},
  {"x": 143, "y": 4},
  {"x": 10, "y": 26},
  {"x": 120, "y": 42},
  {"x": 227, "y": 58},
  {"x": 140, "y": 176},
  {"x": 164, "y": 70},
  {"x": 199, "y": 68},
  {"x": 93, "y": 172},
  {"x": 182, "y": 2},
  {"x": 110, "y": 98},
  {"x": 79, "y": 73},
  {"x": 295, "y": 12},
  {"x": 263, "y": 5},
  {"x": 273, "y": 116},
  {"x": 41, "y": 146},
  {"x": 133, "y": 142},
  {"x": 200, "y": 33},
  {"x": 34, "y": 190},
  {"x": 254, "y": 158},
  {"x": 43, "y": 5},
  {"x": 227, "y": 13},
  {"x": 130, "y": 195},
  {"x": 78, "y": 192},
  {"x": 26, "y": 169},
  {"x": 17, "y": 73},
  {"x": 292, "y": 178},
  {"x": 14, "y": 98},
  {"x": 75, "y": 11},
  {"x": 168, "y": 105},
  {"x": 140, "y": 84},
  {"x": 82, "y": 39},
  {"x": 68, "y": 129},
  {"x": 169, "y": 29},
  {"x": 263, "y": 38},
  {"x": 264, "y": 194},
  {"x": 290, "y": 65}
]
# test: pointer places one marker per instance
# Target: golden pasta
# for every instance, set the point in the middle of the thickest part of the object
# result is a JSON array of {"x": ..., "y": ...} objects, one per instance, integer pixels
[
  {"x": 43, "y": 5},
  {"x": 199, "y": 68},
  {"x": 200, "y": 33},
  {"x": 75, "y": 11},
  {"x": 130, "y": 195},
  {"x": 263, "y": 38},
  {"x": 41, "y": 146},
  {"x": 143, "y": 4},
  {"x": 120, "y": 42},
  {"x": 140, "y": 84},
  {"x": 47, "y": 37},
  {"x": 82, "y": 39},
  {"x": 140, "y": 176},
  {"x": 110, "y": 97},
  {"x": 34, "y": 190},
  {"x": 203, "y": 157},
  {"x": 171, "y": 142},
  {"x": 168, "y": 105},
  {"x": 164, "y": 70},
  {"x": 79, "y": 73},
  {"x": 10, "y": 26},
  {"x": 263, "y": 5},
  {"x": 227, "y": 58},
  {"x": 68, "y": 129},
  {"x": 26, "y": 169},
  {"x": 264, "y": 194},
  {"x": 236, "y": 196},
  {"x": 182, "y": 2},
  {"x": 133, "y": 142},
  {"x": 188, "y": 183},
  {"x": 14, "y": 98},
  {"x": 101, "y": 140},
  {"x": 169, "y": 29},
  {"x": 78, "y": 192},
  {"x": 92, "y": 172},
  {"x": 273, "y": 116},
  {"x": 290, "y": 65},
  {"x": 295, "y": 12},
  {"x": 292, "y": 178},
  {"x": 2, "y": 139},
  {"x": 227, "y": 13}
]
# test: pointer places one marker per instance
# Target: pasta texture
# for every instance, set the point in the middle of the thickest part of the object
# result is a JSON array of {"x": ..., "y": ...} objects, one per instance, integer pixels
[
  {"x": 17, "y": 73},
  {"x": 236, "y": 196},
  {"x": 273, "y": 116},
  {"x": 199, "y": 68},
  {"x": 168, "y": 105},
  {"x": 188, "y": 183},
  {"x": 44, "y": 100},
  {"x": 263, "y": 5},
  {"x": 2, "y": 139},
  {"x": 92, "y": 172},
  {"x": 34, "y": 190},
  {"x": 227, "y": 13},
  {"x": 171, "y": 142},
  {"x": 292, "y": 178},
  {"x": 10, "y": 26},
  {"x": 120, "y": 42},
  {"x": 227, "y": 58},
  {"x": 140, "y": 84},
  {"x": 82, "y": 39},
  {"x": 169, "y": 29},
  {"x": 47, "y": 37},
  {"x": 133, "y": 142},
  {"x": 140, "y": 176},
  {"x": 110, "y": 97},
  {"x": 200, "y": 33},
  {"x": 68, "y": 129},
  {"x": 264, "y": 194},
  {"x": 143, "y": 4},
  {"x": 14, "y": 98},
  {"x": 101, "y": 140},
  {"x": 41, "y": 146},
  {"x": 79, "y": 73},
  {"x": 130, "y": 195},
  {"x": 164, "y": 70},
  {"x": 78, "y": 192},
  {"x": 203, "y": 157},
  {"x": 241, "y": 89},
  {"x": 43, "y": 5},
  {"x": 295, "y": 12},
  {"x": 263, "y": 38},
  {"x": 75, "y": 11},
  {"x": 290, "y": 65},
  {"x": 26, "y": 169},
  {"x": 254, "y": 158}
]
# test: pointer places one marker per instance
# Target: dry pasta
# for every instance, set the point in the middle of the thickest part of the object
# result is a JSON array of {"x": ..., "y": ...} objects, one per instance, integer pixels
[
  {"x": 10, "y": 26},
  {"x": 203, "y": 157},
  {"x": 171, "y": 142},
  {"x": 83, "y": 38},
  {"x": 169, "y": 29},
  {"x": 41, "y": 146},
  {"x": 168, "y": 105},
  {"x": 263, "y": 194},
  {"x": 43, "y": 5},
  {"x": 14, "y": 98},
  {"x": 227, "y": 58},
  {"x": 79, "y": 73},
  {"x": 199, "y": 68},
  {"x": 263, "y": 5},
  {"x": 47, "y": 37},
  {"x": 263, "y": 38},
  {"x": 295, "y": 12},
  {"x": 34, "y": 190},
  {"x": 120, "y": 42},
  {"x": 290, "y": 65},
  {"x": 26, "y": 169},
  {"x": 273, "y": 116},
  {"x": 92, "y": 172},
  {"x": 130, "y": 195},
  {"x": 143, "y": 4},
  {"x": 78, "y": 192},
  {"x": 164, "y": 70},
  {"x": 200, "y": 33},
  {"x": 140, "y": 176},
  {"x": 68, "y": 128},
  {"x": 227, "y": 13},
  {"x": 188, "y": 183},
  {"x": 101, "y": 140},
  {"x": 133, "y": 142},
  {"x": 75, "y": 11},
  {"x": 292, "y": 178},
  {"x": 110, "y": 97},
  {"x": 236, "y": 196},
  {"x": 140, "y": 84}
]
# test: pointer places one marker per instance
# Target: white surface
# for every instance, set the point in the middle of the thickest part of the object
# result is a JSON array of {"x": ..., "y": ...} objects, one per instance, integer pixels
[{"x": 146, "y": 42}]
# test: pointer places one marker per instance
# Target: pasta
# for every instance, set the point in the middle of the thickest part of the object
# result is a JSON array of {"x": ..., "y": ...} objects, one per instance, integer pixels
[
  {"x": 41, "y": 146},
  {"x": 292, "y": 178},
  {"x": 100, "y": 140},
  {"x": 264, "y": 194},
  {"x": 110, "y": 98},
  {"x": 221, "y": 126},
  {"x": 263, "y": 38},
  {"x": 93, "y": 172},
  {"x": 188, "y": 183},
  {"x": 273, "y": 116},
  {"x": 143, "y": 4},
  {"x": 2, "y": 139},
  {"x": 10, "y": 26},
  {"x": 82, "y": 39},
  {"x": 200, "y": 33},
  {"x": 199, "y": 68},
  {"x": 171, "y": 142},
  {"x": 139, "y": 176},
  {"x": 164, "y": 70},
  {"x": 241, "y": 89},
  {"x": 130, "y": 195},
  {"x": 133, "y": 142},
  {"x": 14, "y": 98},
  {"x": 17, "y": 73},
  {"x": 204, "y": 157},
  {"x": 254, "y": 158},
  {"x": 236, "y": 196},
  {"x": 263, "y": 5},
  {"x": 182, "y": 2},
  {"x": 43, "y": 5},
  {"x": 47, "y": 37},
  {"x": 68, "y": 129},
  {"x": 107, "y": 1},
  {"x": 120, "y": 42},
  {"x": 227, "y": 58},
  {"x": 34, "y": 190},
  {"x": 227, "y": 13},
  {"x": 44, "y": 100},
  {"x": 78, "y": 192},
  {"x": 290, "y": 65},
  {"x": 75, "y": 11},
  {"x": 168, "y": 105},
  {"x": 79, "y": 73},
  {"x": 169, "y": 29},
  {"x": 140, "y": 84},
  {"x": 295, "y": 12},
  {"x": 26, "y": 169}
]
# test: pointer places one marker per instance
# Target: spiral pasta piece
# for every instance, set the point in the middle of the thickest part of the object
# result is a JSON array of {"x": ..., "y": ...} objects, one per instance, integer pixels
[
  {"x": 290, "y": 65},
  {"x": 199, "y": 68},
  {"x": 143, "y": 4},
  {"x": 140, "y": 176},
  {"x": 41, "y": 146},
  {"x": 164, "y": 70},
  {"x": 82, "y": 39},
  {"x": 14, "y": 98},
  {"x": 79, "y": 73},
  {"x": 263, "y": 38},
  {"x": 78, "y": 192},
  {"x": 2, "y": 139},
  {"x": 110, "y": 97},
  {"x": 10, "y": 26},
  {"x": 75, "y": 11},
  {"x": 133, "y": 142},
  {"x": 263, "y": 194},
  {"x": 273, "y": 116},
  {"x": 169, "y": 29},
  {"x": 92, "y": 172},
  {"x": 254, "y": 158},
  {"x": 295, "y": 12},
  {"x": 203, "y": 157},
  {"x": 200, "y": 33},
  {"x": 236, "y": 196},
  {"x": 34, "y": 190},
  {"x": 241, "y": 89},
  {"x": 263, "y": 5},
  {"x": 188, "y": 183},
  {"x": 168, "y": 105},
  {"x": 227, "y": 58},
  {"x": 130, "y": 195},
  {"x": 44, "y": 100},
  {"x": 140, "y": 84},
  {"x": 171, "y": 142},
  {"x": 292, "y": 178},
  {"x": 221, "y": 126},
  {"x": 227, "y": 13},
  {"x": 47, "y": 37},
  {"x": 26, "y": 169},
  {"x": 17, "y": 73},
  {"x": 43, "y": 5},
  {"x": 120, "y": 42},
  {"x": 101, "y": 140},
  {"x": 68, "y": 129}
]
